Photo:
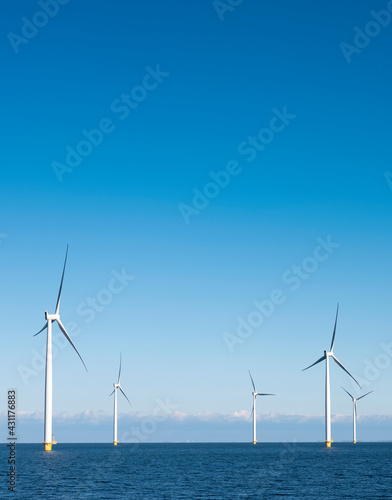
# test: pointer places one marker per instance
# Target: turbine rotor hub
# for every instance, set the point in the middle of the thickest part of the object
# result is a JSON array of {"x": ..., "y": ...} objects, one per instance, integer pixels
[{"x": 52, "y": 317}]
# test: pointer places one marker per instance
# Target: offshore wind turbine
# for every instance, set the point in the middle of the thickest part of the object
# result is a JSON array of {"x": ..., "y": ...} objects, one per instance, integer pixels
[
  {"x": 50, "y": 318},
  {"x": 117, "y": 386},
  {"x": 255, "y": 394},
  {"x": 355, "y": 412},
  {"x": 325, "y": 357}
]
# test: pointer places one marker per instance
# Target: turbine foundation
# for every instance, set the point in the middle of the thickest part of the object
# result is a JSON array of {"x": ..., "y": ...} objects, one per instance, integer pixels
[
  {"x": 115, "y": 443},
  {"x": 328, "y": 444}
]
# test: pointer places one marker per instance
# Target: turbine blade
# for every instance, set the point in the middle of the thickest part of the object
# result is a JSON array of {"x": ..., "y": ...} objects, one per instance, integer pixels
[
  {"x": 61, "y": 283},
  {"x": 352, "y": 397},
  {"x": 119, "y": 371},
  {"x": 334, "y": 330},
  {"x": 343, "y": 368},
  {"x": 315, "y": 363},
  {"x": 364, "y": 395},
  {"x": 111, "y": 393},
  {"x": 62, "y": 328},
  {"x": 263, "y": 394},
  {"x": 254, "y": 388},
  {"x": 42, "y": 329},
  {"x": 251, "y": 413},
  {"x": 125, "y": 395}
]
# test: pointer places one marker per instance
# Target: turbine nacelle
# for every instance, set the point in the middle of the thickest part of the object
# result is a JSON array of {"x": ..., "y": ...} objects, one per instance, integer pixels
[
  {"x": 356, "y": 399},
  {"x": 330, "y": 354},
  {"x": 52, "y": 317},
  {"x": 255, "y": 393},
  {"x": 118, "y": 386},
  {"x": 56, "y": 315}
]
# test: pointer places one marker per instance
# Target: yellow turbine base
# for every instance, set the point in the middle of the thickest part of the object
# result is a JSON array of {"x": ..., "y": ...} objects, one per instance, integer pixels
[
  {"x": 254, "y": 442},
  {"x": 354, "y": 442},
  {"x": 328, "y": 444},
  {"x": 47, "y": 446},
  {"x": 115, "y": 443}
]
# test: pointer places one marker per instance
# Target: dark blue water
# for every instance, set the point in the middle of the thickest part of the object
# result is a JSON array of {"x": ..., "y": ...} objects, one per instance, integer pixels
[{"x": 201, "y": 471}]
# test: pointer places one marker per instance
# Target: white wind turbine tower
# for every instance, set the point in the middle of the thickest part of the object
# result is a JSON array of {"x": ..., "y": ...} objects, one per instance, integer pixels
[
  {"x": 355, "y": 412},
  {"x": 50, "y": 318},
  {"x": 255, "y": 394},
  {"x": 326, "y": 356},
  {"x": 117, "y": 386}
]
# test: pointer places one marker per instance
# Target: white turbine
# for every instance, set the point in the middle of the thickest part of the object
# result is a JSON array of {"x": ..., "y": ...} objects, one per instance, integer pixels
[
  {"x": 355, "y": 412},
  {"x": 48, "y": 436},
  {"x": 255, "y": 394},
  {"x": 117, "y": 386},
  {"x": 326, "y": 356}
]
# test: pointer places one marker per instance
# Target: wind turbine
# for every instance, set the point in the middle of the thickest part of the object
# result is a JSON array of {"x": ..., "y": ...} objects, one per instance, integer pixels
[
  {"x": 326, "y": 356},
  {"x": 255, "y": 394},
  {"x": 117, "y": 386},
  {"x": 355, "y": 412},
  {"x": 50, "y": 318}
]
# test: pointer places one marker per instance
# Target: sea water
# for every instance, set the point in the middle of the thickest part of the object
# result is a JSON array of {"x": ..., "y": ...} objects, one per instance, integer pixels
[{"x": 200, "y": 471}]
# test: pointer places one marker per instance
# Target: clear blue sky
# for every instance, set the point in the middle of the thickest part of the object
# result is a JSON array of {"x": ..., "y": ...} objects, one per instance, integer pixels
[{"x": 213, "y": 85}]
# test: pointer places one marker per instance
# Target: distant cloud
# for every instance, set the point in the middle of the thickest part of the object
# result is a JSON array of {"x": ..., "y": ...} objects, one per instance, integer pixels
[
  {"x": 179, "y": 415},
  {"x": 97, "y": 417}
]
